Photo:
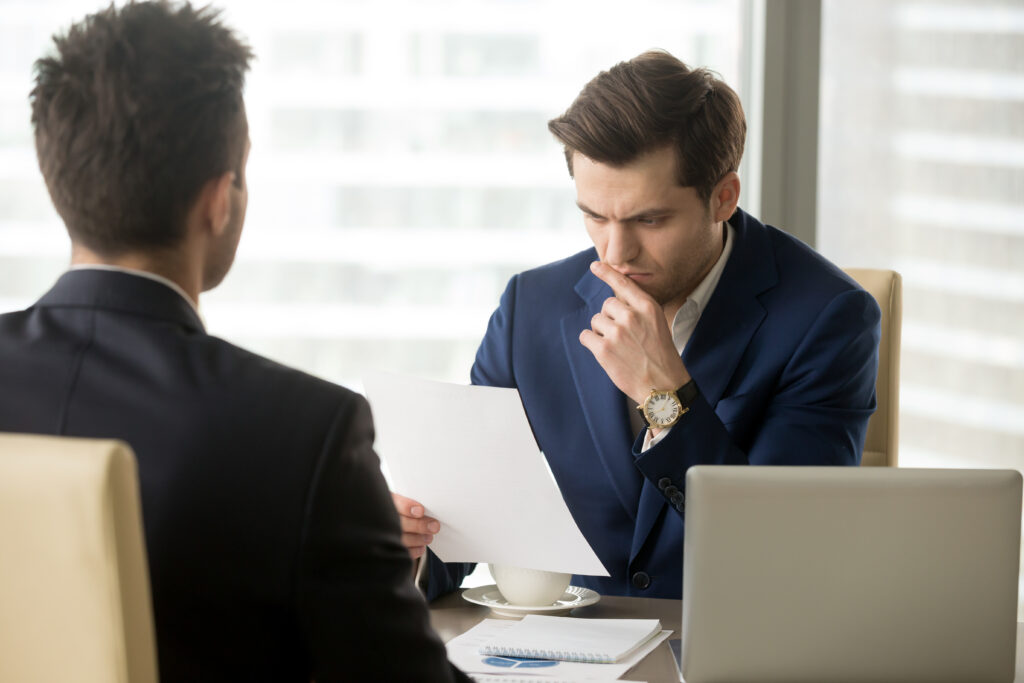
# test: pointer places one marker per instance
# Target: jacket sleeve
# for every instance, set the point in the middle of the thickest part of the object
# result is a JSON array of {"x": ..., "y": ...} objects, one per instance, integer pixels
[
  {"x": 363, "y": 618},
  {"x": 817, "y": 413}
]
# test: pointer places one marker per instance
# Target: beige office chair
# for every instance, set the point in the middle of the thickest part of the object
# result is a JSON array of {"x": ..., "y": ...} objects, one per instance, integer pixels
[
  {"x": 880, "y": 446},
  {"x": 74, "y": 583}
]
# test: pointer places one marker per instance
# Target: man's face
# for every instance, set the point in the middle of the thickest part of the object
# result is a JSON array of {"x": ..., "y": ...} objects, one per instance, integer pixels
[
  {"x": 218, "y": 265},
  {"x": 646, "y": 226}
]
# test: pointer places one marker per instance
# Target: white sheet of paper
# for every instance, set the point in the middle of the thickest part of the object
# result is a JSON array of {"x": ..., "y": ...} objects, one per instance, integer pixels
[
  {"x": 464, "y": 652},
  {"x": 467, "y": 453}
]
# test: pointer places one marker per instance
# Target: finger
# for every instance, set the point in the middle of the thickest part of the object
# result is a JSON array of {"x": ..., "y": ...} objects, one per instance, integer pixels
[
  {"x": 416, "y": 540},
  {"x": 615, "y": 309},
  {"x": 624, "y": 288},
  {"x": 603, "y": 351},
  {"x": 591, "y": 340},
  {"x": 416, "y": 551},
  {"x": 603, "y": 326},
  {"x": 407, "y": 507},
  {"x": 425, "y": 525},
  {"x": 597, "y": 345}
]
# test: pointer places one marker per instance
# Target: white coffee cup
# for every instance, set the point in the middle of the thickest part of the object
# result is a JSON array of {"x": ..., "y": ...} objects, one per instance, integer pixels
[{"x": 529, "y": 587}]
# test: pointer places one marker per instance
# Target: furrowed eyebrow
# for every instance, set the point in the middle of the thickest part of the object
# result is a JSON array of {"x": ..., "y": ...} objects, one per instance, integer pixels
[
  {"x": 651, "y": 213},
  {"x": 587, "y": 210},
  {"x": 647, "y": 213}
]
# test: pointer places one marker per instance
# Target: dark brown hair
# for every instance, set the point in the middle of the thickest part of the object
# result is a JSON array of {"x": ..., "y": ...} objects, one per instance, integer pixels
[
  {"x": 651, "y": 101},
  {"x": 134, "y": 112}
]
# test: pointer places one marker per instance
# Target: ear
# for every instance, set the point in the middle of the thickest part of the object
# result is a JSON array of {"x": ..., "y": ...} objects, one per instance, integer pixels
[
  {"x": 217, "y": 202},
  {"x": 725, "y": 197}
]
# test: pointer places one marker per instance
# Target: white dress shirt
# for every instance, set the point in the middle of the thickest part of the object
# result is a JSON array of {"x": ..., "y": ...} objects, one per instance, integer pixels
[{"x": 148, "y": 275}]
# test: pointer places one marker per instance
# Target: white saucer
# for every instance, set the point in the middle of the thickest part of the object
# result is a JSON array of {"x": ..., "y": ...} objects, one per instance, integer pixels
[{"x": 489, "y": 596}]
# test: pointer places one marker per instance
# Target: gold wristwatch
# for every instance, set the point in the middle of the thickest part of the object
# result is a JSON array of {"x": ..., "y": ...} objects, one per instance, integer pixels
[{"x": 663, "y": 407}]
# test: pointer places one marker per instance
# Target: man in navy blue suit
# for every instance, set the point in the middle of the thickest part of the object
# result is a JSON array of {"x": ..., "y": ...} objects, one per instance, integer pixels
[
  {"x": 690, "y": 334},
  {"x": 275, "y": 553}
]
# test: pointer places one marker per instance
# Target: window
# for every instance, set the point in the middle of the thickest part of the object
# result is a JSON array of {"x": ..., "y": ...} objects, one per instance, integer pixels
[
  {"x": 401, "y": 168},
  {"x": 922, "y": 171}
]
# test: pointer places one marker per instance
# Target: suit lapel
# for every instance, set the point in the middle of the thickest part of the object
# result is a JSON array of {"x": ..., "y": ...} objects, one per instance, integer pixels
[
  {"x": 733, "y": 313},
  {"x": 604, "y": 406},
  {"x": 726, "y": 326}
]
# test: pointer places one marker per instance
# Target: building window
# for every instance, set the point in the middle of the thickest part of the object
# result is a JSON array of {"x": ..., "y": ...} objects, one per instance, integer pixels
[{"x": 922, "y": 171}]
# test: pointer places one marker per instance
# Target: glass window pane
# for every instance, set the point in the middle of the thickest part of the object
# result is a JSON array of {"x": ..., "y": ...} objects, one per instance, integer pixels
[
  {"x": 922, "y": 171},
  {"x": 401, "y": 168}
]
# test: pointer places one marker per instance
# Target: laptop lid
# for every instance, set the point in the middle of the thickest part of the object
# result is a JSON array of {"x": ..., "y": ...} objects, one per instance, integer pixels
[{"x": 850, "y": 574}]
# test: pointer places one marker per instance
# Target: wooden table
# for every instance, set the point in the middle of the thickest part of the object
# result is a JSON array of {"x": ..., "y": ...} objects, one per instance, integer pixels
[{"x": 451, "y": 616}]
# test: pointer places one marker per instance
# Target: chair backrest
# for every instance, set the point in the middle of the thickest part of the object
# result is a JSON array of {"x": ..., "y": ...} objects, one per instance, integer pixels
[
  {"x": 880, "y": 446},
  {"x": 74, "y": 583}
]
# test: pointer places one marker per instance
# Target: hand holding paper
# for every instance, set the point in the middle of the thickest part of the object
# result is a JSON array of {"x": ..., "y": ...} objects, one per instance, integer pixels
[
  {"x": 417, "y": 529},
  {"x": 468, "y": 455}
]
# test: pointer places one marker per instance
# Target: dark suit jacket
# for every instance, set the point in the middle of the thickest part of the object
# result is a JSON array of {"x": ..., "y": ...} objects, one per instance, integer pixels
[
  {"x": 274, "y": 548},
  {"x": 785, "y": 356}
]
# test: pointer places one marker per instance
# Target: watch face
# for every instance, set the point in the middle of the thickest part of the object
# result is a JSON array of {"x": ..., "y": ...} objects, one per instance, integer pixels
[{"x": 662, "y": 409}]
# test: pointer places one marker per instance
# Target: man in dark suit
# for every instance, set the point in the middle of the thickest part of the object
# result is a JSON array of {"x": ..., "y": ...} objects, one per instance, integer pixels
[
  {"x": 274, "y": 549},
  {"x": 691, "y": 333}
]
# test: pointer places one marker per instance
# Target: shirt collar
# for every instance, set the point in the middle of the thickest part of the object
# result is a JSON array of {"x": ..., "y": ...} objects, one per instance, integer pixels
[{"x": 149, "y": 276}]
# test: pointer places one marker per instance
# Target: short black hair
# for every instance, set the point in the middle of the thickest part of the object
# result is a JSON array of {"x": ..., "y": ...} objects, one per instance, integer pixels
[{"x": 133, "y": 113}]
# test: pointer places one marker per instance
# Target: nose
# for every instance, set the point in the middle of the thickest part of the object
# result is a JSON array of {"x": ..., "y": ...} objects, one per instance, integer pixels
[{"x": 620, "y": 248}]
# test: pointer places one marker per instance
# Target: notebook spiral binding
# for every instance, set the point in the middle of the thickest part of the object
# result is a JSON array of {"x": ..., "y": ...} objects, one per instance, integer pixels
[{"x": 560, "y": 655}]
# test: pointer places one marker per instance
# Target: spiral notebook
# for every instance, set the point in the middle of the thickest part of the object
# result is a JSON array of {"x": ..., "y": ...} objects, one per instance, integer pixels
[
  {"x": 502, "y": 678},
  {"x": 599, "y": 641}
]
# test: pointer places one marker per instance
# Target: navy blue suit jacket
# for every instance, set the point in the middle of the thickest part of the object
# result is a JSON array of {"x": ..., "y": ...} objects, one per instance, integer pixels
[
  {"x": 785, "y": 357},
  {"x": 274, "y": 548}
]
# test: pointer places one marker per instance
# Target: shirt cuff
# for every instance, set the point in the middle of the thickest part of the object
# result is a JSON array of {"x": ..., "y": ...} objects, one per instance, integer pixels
[
  {"x": 650, "y": 441},
  {"x": 421, "y": 573}
]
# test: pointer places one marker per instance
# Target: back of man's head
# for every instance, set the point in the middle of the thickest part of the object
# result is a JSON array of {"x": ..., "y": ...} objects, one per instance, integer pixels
[
  {"x": 134, "y": 112},
  {"x": 650, "y": 102}
]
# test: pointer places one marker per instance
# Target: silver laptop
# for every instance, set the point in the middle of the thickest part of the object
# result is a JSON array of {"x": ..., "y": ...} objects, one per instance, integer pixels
[{"x": 851, "y": 575}]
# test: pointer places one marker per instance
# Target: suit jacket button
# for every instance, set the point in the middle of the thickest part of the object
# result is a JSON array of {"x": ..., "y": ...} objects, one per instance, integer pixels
[
  {"x": 664, "y": 483},
  {"x": 671, "y": 491},
  {"x": 641, "y": 580},
  {"x": 677, "y": 498}
]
